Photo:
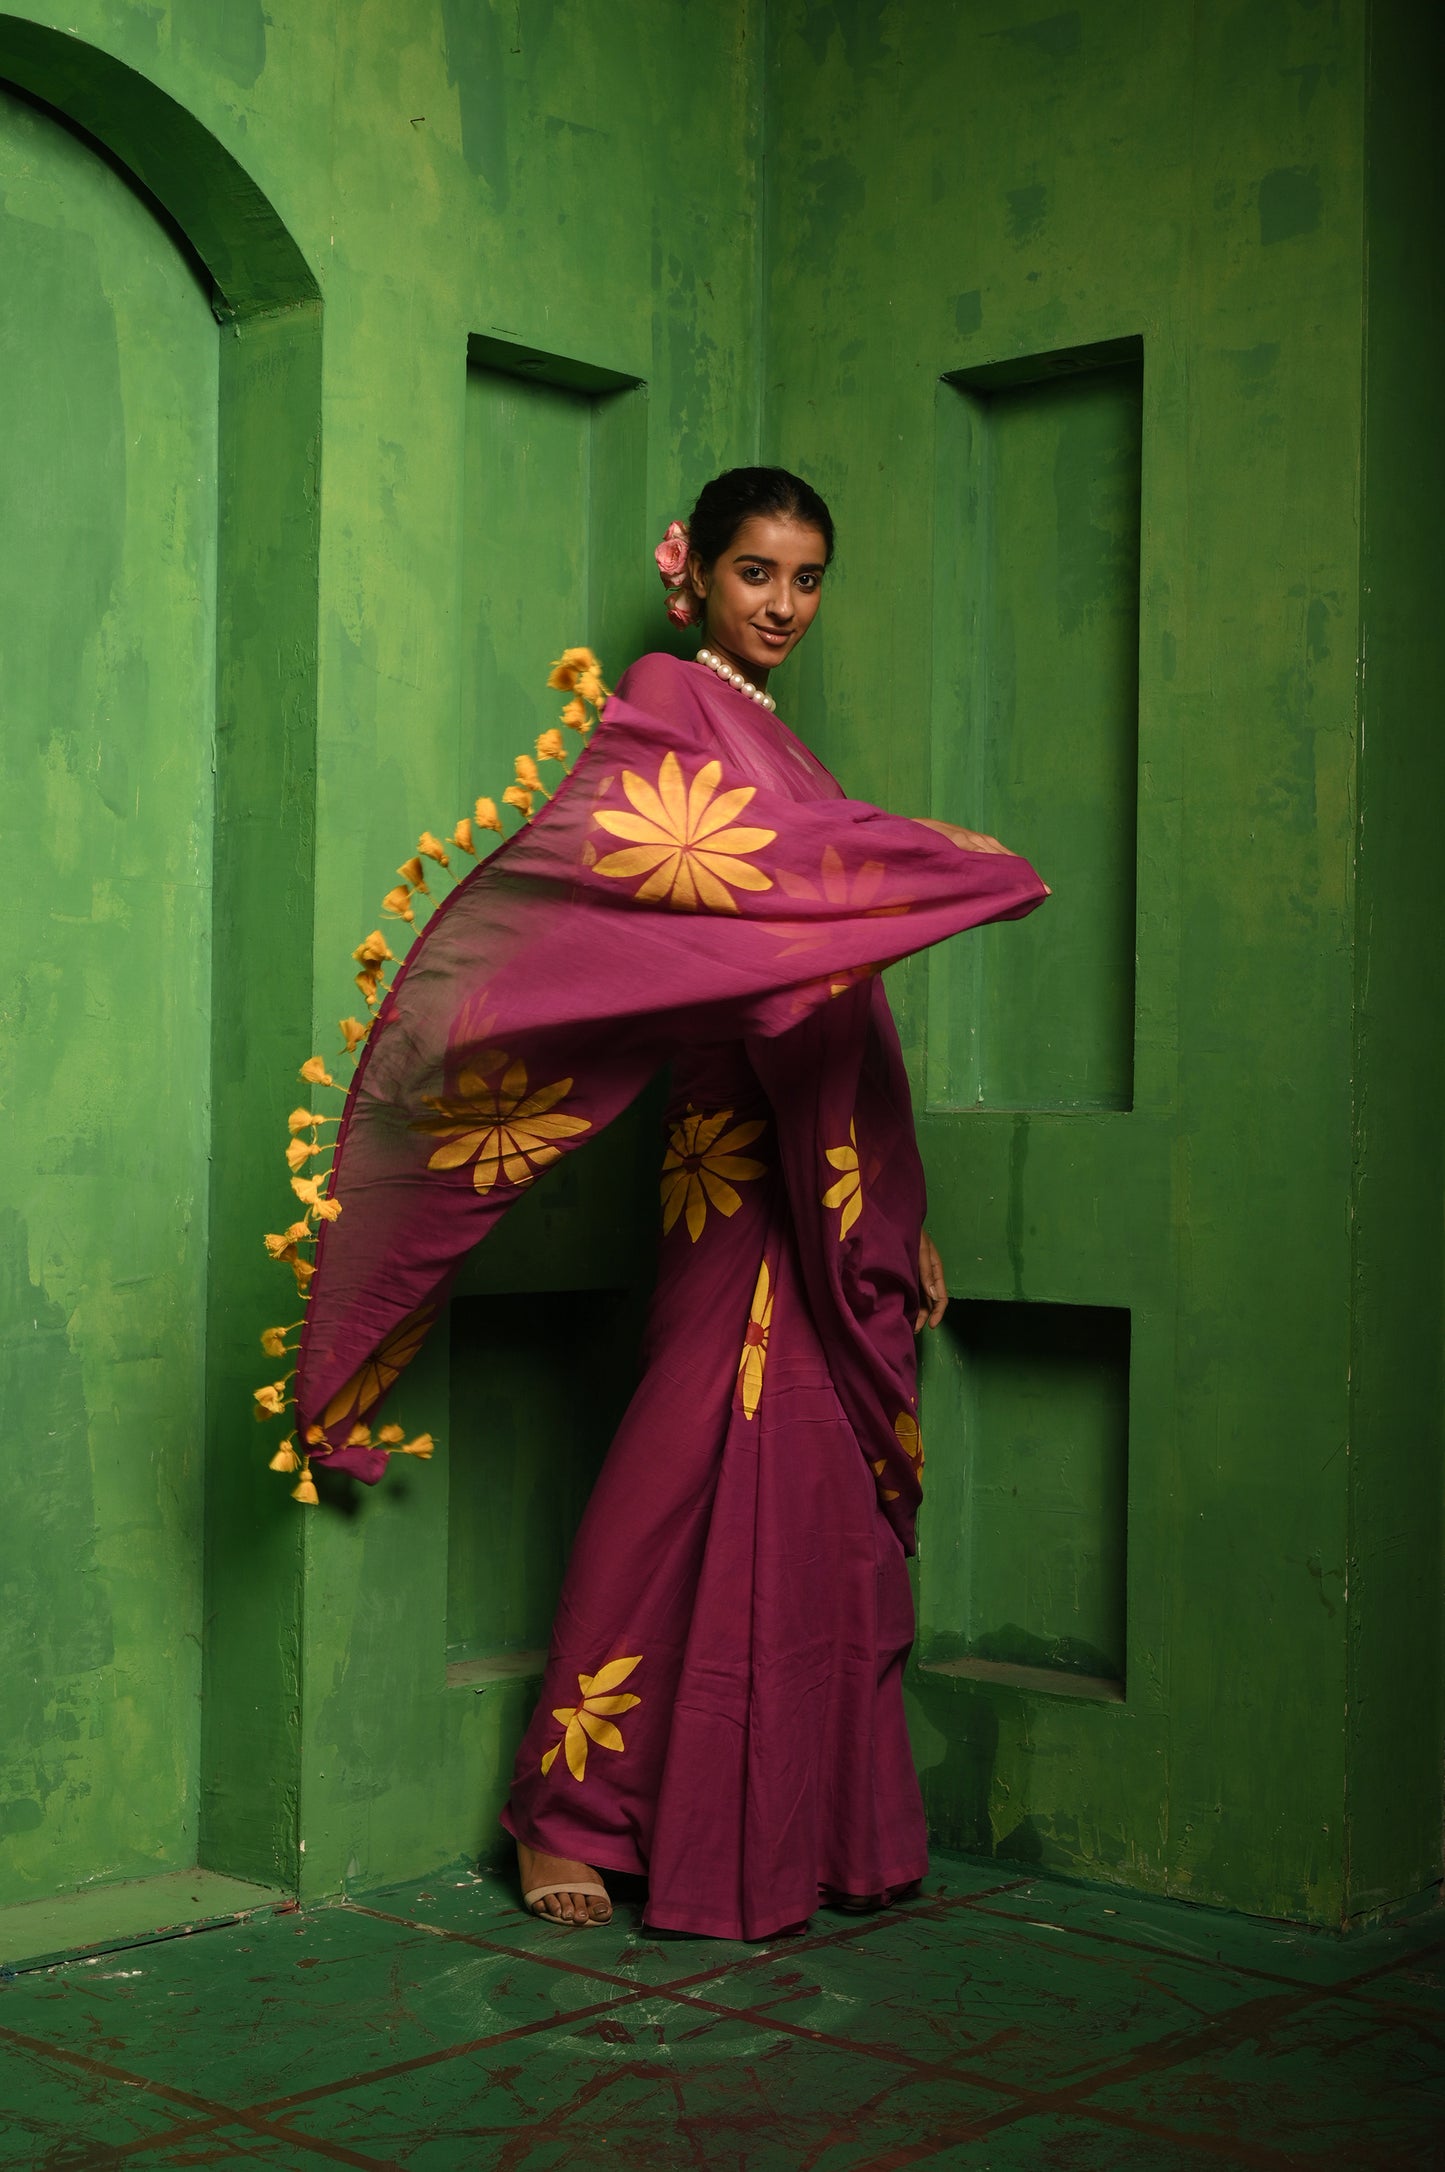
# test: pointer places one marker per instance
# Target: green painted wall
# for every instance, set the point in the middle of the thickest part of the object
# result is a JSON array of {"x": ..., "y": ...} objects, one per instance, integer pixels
[
  {"x": 985, "y": 195},
  {"x": 1064, "y": 313}
]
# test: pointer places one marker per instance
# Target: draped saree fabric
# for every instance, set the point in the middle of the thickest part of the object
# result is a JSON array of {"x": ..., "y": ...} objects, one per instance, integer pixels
[{"x": 722, "y": 1708}]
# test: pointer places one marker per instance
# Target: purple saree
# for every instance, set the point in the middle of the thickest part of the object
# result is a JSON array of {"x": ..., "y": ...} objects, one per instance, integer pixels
[{"x": 722, "y": 1708}]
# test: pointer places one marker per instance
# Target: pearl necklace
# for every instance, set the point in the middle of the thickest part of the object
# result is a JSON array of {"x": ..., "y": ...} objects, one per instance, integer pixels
[{"x": 735, "y": 678}]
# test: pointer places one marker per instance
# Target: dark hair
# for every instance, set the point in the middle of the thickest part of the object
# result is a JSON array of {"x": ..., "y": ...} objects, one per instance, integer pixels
[{"x": 730, "y": 499}]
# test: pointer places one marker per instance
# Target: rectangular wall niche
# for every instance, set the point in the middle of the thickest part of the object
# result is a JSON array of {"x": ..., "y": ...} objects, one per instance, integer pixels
[
  {"x": 1035, "y": 721},
  {"x": 553, "y": 538},
  {"x": 538, "y": 1384},
  {"x": 1023, "y": 1537}
]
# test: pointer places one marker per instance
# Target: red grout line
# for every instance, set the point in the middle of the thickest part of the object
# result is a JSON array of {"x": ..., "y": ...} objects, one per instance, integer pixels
[
  {"x": 447, "y": 2052},
  {"x": 46, "y": 2050}
]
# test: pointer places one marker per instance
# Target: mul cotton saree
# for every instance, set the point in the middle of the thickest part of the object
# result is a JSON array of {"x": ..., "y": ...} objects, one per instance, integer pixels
[{"x": 722, "y": 1709}]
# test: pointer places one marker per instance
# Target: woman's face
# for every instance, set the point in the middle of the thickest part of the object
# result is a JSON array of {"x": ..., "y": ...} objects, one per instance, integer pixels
[{"x": 763, "y": 592}]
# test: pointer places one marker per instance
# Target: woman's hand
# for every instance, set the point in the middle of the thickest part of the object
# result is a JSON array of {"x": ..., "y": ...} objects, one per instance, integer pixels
[{"x": 930, "y": 1281}]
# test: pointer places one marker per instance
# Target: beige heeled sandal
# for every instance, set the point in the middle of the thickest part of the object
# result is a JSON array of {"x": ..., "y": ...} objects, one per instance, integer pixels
[{"x": 540, "y": 1892}]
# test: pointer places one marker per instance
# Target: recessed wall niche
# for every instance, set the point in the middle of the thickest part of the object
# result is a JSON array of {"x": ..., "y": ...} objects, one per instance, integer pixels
[
  {"x": 553, "y": 534},
  {"x": 1035, "y": 721},
  {"x": 1023, "y": 1535}
]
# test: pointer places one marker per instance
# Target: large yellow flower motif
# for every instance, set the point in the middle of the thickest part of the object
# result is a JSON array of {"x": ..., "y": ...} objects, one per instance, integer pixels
[
  {"x": 702, "y": 1155},
  {"x": 755, "y": 1343},
  {"x": 509, "y": 1131},
  {"x": 847, "y": 1193},
  {"x": 684, "y": 841},
  {"x": 591, "y": 1719},
  {"x": 366, "y": 1388}
]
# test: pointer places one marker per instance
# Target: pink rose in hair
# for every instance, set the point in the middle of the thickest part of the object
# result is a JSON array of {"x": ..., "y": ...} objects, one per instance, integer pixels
[
  {"x": 681, "y": 607},
  {"x": 671, "y": 554}
]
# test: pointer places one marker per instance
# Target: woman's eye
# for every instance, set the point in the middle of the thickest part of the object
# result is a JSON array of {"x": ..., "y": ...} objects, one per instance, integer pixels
[
  {"x": 753, "y": 573},
  {"x": 808, "y": 581}
]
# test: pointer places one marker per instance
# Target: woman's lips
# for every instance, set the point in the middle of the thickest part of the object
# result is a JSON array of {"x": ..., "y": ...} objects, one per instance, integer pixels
[{"x": 774, "y": 640}]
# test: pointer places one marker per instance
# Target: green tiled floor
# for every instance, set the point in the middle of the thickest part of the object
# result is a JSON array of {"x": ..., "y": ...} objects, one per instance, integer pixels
[{"x": 1004, "y": 2024}]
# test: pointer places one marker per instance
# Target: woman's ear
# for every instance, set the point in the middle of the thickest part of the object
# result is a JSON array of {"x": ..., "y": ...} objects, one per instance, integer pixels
[{"x": 696, "y": 577}]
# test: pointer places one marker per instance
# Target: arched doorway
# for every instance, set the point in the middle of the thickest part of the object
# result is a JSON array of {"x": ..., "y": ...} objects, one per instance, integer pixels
[{"x": 157, "y": 662}]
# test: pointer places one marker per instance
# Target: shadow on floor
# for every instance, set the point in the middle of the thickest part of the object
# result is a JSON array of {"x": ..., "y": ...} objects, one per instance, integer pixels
[{"x": 1000, "y": 2021}]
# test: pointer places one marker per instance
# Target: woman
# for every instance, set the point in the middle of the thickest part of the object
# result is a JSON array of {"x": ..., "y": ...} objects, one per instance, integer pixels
[{"x": 722, "y": 1709}]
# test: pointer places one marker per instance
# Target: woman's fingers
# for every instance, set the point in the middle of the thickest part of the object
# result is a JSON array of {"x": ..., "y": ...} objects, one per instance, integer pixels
[{"x": 931, "y": 1284}]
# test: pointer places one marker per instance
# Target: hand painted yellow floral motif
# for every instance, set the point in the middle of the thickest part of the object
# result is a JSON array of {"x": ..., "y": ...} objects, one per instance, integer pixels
[
  {"x": 511, "y": 1132},
  {"x": 365, "y": 1389},
  {"x": 755, "y": 1343},
  {"x": 910, "y": 1440},
  {"x": 702, "y": 1155},
  {"x": 847, "y": 1193},
  {"x": 591, "y": 1719},
  {"x": 683, "y": 839}
]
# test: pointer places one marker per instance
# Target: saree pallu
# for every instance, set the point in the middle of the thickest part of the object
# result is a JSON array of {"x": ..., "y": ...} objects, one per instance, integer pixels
[{"x": 722, "y": 1708}]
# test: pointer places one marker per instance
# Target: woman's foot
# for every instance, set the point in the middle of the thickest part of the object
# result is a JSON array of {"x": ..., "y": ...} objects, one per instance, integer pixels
[{"x": 567, "y": 1904}]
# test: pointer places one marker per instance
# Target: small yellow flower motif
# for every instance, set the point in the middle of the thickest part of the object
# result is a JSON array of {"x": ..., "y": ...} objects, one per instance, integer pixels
[
  {"x": 592, "y": 1718},
  {"x": 684, "y": 840},
  {"x": 885, "y": 1493},
  {"x": 755, "y": 1343},
  {"x": 847, "y": 1193},
  {"x": 702, "y": 1164},
  {"x": 910, "y": 1440},
  {"x": 509, "y": 1131}
]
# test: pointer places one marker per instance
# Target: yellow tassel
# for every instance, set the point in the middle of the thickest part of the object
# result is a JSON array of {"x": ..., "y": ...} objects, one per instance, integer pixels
[
  {"x": 303, "y": 1271},
  {"x": 461, "y": 837},
  {"x": 306, "y": 1492},
  {"x": 315, "y": 1438},
  {"x": 285, "y": 1458},
  {"x": 433, "y": 848},
  {"x": 298, "y": 1152},
  {"x": 389, "y": 1436},
  {"x": 273, "y": 1339},
  {"x": 413, "y": 872},
  {"x": 514, "y": 796},
  {"x": 354, "y": 1031},
  {"x": 551, "y": 747},
  {"x": 528, "y": 775},
  {"x": 422, "y": 1446},
  {"x": 368, "y": 982},
  {"x": 372, "y": 953},
  {"x": 575, "y": 716},
  {"x": 486, "y": 817},
  {"x": 271, "y": 1400},
  {"x": 329, "y": 1209},
  {"x": 359, "y": 1436},
  {"x": 398, "y": 902},
  {"x": 315, "y": 1073}
]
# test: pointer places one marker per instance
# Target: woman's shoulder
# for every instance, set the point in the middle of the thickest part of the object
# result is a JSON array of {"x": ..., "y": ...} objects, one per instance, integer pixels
[{"x": 656, "y": 668}]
